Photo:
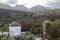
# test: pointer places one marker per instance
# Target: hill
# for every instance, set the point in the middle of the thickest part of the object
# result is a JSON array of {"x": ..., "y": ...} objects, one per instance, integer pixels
[
  {"x": 48, "y": 13},
  {"x": 7, "y": 15}
]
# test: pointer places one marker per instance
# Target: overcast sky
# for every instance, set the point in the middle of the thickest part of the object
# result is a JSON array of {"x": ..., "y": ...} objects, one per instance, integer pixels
[
  {"x": 55, "y": 3},
  {"x": 31, "y": 3}
]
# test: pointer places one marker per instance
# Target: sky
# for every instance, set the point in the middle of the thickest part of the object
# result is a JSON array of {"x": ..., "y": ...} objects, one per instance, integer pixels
[
  {"x": 31, "y": 3},
  {"x": 55, "y": 3},
  {"x": 12, "y": 1}
]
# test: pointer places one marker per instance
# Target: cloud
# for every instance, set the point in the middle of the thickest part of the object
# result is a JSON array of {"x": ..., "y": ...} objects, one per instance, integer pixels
[
  {"x": 12, "y": 1},
  {"x": 2, "y": 1},
  {"x": 55, "y": 3}
]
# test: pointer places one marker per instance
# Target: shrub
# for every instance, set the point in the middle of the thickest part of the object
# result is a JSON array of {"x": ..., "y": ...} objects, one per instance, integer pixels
[
  {"x": 5, "y": 29},
  {"x": 54, "y": 29}
]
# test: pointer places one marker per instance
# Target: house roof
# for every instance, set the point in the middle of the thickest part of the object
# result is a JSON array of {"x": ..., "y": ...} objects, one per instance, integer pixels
[
  {"x": 46, "y": 21},
  {"x": 14, "y": 24}
]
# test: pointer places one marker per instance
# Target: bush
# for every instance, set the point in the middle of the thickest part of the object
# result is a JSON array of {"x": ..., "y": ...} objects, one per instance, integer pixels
[
  {"x": 54, "y": 29},
  {"x": 37, "y": 29},
  {"x": 5, "y": 29}
]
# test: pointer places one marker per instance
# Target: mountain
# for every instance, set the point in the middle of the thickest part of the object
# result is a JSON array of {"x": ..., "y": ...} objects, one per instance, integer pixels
[
  {"x": 17, "y": 7},
  {"x": 20, "y": 7},
  {"x": 37, "y": 7},
  {"x": 5, "y": 6}
]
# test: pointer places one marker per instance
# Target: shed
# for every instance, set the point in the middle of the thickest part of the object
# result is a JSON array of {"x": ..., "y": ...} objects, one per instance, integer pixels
[{"x": 14, "y": 29}]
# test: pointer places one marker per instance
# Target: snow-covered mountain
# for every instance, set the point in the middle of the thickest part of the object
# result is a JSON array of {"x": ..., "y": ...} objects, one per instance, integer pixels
[
  {"x": 5, "y": 6},
  {"x": 38, "y": 7},
  {"x": 22, "y": 7}
]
